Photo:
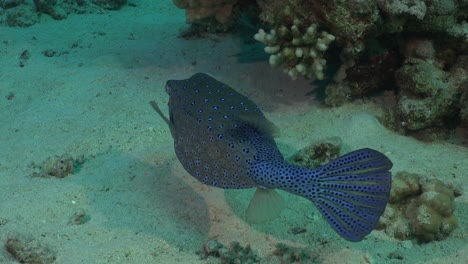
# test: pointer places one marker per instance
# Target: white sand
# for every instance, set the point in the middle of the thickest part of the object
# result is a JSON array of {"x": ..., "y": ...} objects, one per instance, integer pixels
[{"x": 143, "y": 207}]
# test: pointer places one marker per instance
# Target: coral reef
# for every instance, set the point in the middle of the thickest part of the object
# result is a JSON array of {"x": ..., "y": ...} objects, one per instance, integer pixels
[
  {"x": 446, "y": 17},
  {"x": 50, "y": 7},
  {"x": 234, "y": 254},
  {"x": 352, "y": 22},
  {"x": 419, "y": 208},
  {"x": 430, "y": 86},
  {"x": 318, "y": 154},
  {"x": 416, "y": 8},
  {"x": 208, "y": 12},
  {"x": 414, "y": 48},
  {"x": 299, "y": 32},
  {"x": 369, "y": 75},
  {"x": 21, "y": 16},
  {"x": 426, "y": 94},
  {"x": 24, "y": 14},
  {"x": 295, "y": 42},
  {"x": 459, "y": 77}
]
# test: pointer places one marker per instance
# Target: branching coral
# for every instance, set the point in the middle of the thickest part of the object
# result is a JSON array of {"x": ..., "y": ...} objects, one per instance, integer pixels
[
  {"x": 298, "y": 49},
  {"x": 295, "y": 42}
]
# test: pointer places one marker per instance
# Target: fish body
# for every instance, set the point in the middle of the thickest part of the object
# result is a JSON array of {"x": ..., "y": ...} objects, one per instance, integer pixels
[{"x": 223, "y": 139}]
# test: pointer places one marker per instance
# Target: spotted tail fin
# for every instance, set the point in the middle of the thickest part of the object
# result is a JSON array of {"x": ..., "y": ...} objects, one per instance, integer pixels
[{"x": 352, "y": 192}]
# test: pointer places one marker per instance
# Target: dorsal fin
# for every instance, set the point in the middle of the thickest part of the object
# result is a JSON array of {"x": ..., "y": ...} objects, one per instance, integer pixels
[{"x": 261, "y": 123}]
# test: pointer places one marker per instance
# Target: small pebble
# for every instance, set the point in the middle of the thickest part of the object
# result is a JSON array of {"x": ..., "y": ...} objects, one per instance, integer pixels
[{"x": 49, "y": 53}]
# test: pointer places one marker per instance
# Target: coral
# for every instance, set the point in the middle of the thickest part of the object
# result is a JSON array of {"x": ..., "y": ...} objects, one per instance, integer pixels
[
  {"x": 337, "y": 94},
  {"x": 109, "y": 4},
  {"x": 287, "y": 254},
  {"x": 10, "y": 3},
  {"x": 205, "y": 11},
  {"x": 50, "y": 7},
  {"x": 426, "y": 95},
  {"x": 419, "y": 48},
  {"x": 370, "y": 52},
  {"x": 421, "y": 59},
  {"x": 444, "y": 16},
  {"x": 404, "y": 185},
  {"x": 429, "y": 16},
  {"x": 431, "y": 83},
  {"x": 80, "y": 7},
  {"x": 233, "y": 254},
  {"x": 464, "y": 105},
  {"x": 444, "y": 7},
  {"x": 415, "y": 8},
  {"x": 21, "y": 16},
  {"x": 58, "y": 166},
  {"x": 352, "y": 22},
  {"x": 372, "y": 74},
  {"x": 419, "y": 208},
  {"x": 29, "y": 250},
  {"x": 318, "y": 154},
  {"x": 459, "y": 76},
  {"x": 422, "y": 78},
  {"x": 26, "y": 14},
  {"x": 296, "y": 43}
]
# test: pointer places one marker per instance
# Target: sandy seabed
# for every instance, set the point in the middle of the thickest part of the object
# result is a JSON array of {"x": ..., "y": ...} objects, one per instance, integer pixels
[{"x": 140, "y": 206}]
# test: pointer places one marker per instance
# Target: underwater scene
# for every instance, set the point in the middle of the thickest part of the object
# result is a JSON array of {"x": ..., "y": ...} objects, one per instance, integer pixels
[{"x": 234, "y": 131}]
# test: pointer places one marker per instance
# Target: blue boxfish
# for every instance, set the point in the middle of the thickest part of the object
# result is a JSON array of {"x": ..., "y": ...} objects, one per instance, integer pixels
[{"x": 223, "y": 139}]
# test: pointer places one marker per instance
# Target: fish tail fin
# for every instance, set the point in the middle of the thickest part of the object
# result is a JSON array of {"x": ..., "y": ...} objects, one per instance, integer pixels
[
  {"x": 352, "y": 192},
  {"x": 266, "y": 204}
]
